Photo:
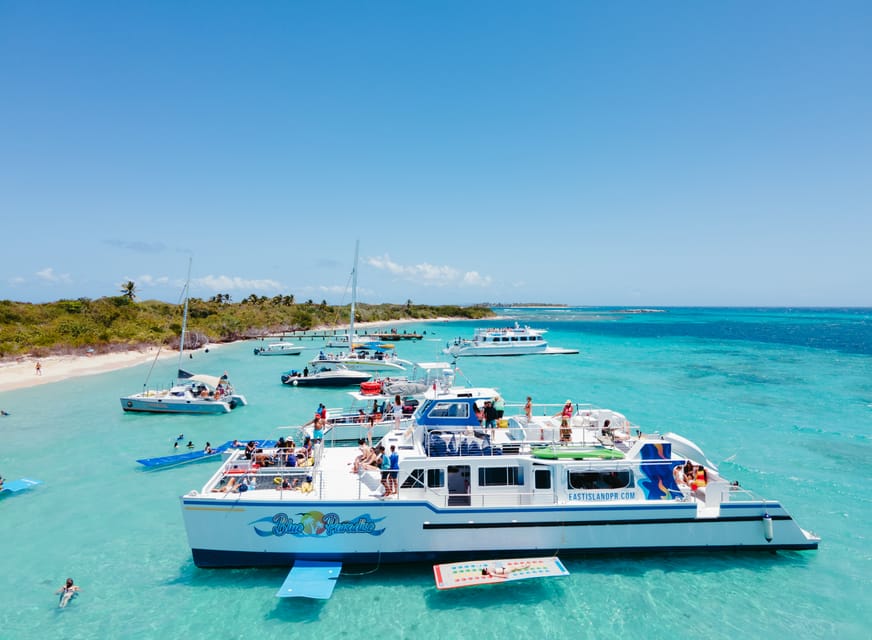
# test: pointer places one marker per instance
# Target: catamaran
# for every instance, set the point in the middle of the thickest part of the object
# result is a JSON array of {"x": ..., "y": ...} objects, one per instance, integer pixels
[
  {"x": 191, "y": 393},
  {"x": 466, "y": 491}
]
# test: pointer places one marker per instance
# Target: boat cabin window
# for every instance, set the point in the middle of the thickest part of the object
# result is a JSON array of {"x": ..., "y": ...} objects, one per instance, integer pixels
[
  {"x": 500, "y": 476},
  {"x": 449, "y": 410},
  {"x": 605, "y": 479},
  {"x": 542, "y": 478},
  {"x": 435, "y": 478},
  {"x": 415, "y": 480}
]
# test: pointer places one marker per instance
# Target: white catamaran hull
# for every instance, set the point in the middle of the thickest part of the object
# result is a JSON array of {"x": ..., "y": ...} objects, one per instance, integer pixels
[
  {"x": 165, "y": 403},
  {"x": 278, "y": 532}
]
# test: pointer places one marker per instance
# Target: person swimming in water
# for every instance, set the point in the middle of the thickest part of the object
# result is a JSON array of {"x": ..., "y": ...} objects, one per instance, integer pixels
[{"x": 67, "y": 593}]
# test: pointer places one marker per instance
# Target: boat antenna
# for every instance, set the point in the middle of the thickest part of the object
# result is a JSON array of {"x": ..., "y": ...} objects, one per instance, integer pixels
[{"x": 353, "y": 296}]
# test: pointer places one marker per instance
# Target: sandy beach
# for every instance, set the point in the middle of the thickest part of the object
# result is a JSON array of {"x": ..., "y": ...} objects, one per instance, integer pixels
[{"x": 22, "y": 372}]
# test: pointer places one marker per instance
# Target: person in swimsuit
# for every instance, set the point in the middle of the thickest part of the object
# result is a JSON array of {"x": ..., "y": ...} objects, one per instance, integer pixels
[
  {"x": 67, "y": 593},
  {"x": 499, "y": 571},
  {"x": 565, "y": 416}
]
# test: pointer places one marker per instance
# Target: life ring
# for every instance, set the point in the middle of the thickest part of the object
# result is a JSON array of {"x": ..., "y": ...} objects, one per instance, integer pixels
[{"x": 277, "y": 480}]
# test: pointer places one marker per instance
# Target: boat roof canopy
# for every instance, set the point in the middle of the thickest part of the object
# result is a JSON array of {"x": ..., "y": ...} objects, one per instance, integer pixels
[{"x": 212, "y": 381}]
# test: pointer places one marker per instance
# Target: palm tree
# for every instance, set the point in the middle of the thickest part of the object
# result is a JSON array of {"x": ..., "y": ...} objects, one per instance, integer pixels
[{"x": 128, "y": 289}]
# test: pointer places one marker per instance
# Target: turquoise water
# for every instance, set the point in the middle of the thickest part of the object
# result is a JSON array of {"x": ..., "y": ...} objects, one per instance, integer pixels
[{"x": 781, "y": 399}]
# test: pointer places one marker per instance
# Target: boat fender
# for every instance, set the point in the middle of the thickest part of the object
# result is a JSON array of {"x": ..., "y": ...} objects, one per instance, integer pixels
[
  {"x": 294, "y": 383},
  {"x": 232, "y": 404},
  {"x": 277, "y": 480},
  {"x": 129, "y": 404},
  {"x": 768, "y": 532}
]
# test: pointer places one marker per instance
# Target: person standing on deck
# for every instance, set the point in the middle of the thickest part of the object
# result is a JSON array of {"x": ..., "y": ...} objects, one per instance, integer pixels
[
  {"x": 499, "y": 407},
  {"x": 398, "y": 412}
]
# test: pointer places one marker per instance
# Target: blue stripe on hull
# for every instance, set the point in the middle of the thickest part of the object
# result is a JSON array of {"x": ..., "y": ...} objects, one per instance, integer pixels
[{"x": 205, "y": 558}]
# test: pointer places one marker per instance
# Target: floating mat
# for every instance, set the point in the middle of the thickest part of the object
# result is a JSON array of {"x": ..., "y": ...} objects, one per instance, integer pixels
[
  {"x": 475, "y": 572},
  {"x": 20, "y": 485},
  {"x": 310, "y": 579}
]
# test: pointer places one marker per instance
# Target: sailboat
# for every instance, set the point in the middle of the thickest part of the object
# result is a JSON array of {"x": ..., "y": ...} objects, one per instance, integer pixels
[
  {"x": 366, "y": 357},
  {"x": 191, "y": 393}
]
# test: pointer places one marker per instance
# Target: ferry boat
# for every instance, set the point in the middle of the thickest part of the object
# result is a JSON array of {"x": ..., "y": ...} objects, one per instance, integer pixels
[
  {"x": 466, "y": 492},
  {"x": 504, "y": 341}
]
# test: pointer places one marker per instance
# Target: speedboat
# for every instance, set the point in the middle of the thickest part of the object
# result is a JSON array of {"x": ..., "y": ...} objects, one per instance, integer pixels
[
  {"x": 465, "y": 492},
  {"x": 325, "y": 374},
  {"x": 423, "y": 376},
  {"x": 504, "y": 341},
  {"x": 365, "y": 359},
  {"x": 278, "y": 349}
]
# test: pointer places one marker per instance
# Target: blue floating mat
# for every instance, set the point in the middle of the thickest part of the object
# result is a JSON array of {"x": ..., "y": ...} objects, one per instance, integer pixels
[
  {"x": 20, "y": 485},
  {"x": 191, "y": 456},
  {"x": 310, "y": 579}
]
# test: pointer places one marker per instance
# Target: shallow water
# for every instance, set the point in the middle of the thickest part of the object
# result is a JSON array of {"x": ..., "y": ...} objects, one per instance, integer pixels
[{"x": 780, "y": 399}]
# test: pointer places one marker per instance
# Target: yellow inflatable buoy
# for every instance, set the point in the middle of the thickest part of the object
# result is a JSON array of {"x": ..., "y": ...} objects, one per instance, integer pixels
[{"x": 277, "y": 480}]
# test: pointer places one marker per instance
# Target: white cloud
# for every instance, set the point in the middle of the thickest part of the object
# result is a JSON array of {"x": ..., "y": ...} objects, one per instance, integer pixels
[
  {"x": 146, "y": 280},
  {"x": 228, "y": 283},
  {"x": 429, "y": 274},
  {"x": 49, "y": 275}
]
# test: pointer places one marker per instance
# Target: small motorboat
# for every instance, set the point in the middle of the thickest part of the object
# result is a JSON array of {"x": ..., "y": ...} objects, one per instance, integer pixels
[{"x": 325, "y": 374}]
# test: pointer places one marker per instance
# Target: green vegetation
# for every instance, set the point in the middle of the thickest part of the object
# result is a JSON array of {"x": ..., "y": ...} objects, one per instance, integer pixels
[{"x": 116, "y": 323}]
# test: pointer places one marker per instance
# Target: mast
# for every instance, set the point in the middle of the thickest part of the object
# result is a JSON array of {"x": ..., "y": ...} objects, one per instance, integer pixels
[
  {"x": 185, "y": 315},
  {"x": 353, "y": 297}
]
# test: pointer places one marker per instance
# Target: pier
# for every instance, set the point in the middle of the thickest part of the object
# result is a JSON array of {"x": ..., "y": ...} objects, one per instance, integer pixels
[{"x": 389, "y": 336}]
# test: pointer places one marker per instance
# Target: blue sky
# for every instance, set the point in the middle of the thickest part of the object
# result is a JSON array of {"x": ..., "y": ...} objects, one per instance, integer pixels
[{"x": 590, "y": 153}]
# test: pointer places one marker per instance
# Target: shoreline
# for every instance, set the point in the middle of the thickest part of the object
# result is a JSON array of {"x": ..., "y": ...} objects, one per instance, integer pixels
[{"x": 21, "y": 372}]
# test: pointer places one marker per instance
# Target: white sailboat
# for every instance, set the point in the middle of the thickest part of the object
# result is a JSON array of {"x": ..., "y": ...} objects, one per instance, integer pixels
[
  {"x": 363, "y": 358},
  {"x": 191, "y": 393}
]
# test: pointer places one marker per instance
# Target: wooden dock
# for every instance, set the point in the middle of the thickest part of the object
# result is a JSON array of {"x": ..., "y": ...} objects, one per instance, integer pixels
[{"x": 327, "y": 335}]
